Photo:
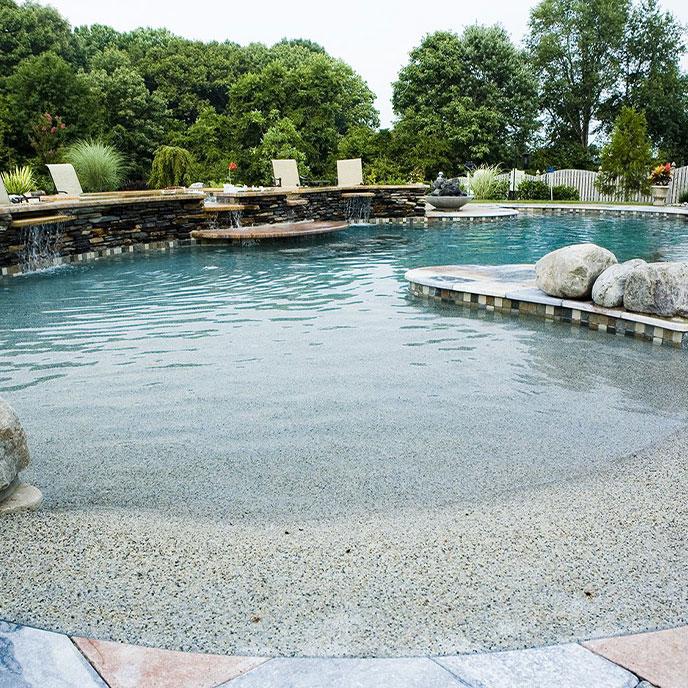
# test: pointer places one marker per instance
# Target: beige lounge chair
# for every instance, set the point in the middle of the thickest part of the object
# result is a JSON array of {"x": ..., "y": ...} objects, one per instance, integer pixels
[
  {"x": 286, "y": 173},
  {"x": 65, "y": 179},
  {"x": 4, "y": 198},
  {"x": 349, "y": 172}
]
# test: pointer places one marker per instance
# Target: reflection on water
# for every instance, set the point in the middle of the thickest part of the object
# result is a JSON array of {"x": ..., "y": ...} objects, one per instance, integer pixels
[{"x": 305, "y": 379}]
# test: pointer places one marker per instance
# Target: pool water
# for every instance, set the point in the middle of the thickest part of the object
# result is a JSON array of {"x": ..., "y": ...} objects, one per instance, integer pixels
[{"x": 302, "y": 380}]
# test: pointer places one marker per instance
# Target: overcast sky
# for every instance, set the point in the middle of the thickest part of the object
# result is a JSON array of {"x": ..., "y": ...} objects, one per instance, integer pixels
[{"x": 374, "y": 36}]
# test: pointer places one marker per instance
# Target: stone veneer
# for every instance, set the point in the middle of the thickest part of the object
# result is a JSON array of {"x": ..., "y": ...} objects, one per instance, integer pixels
[
  {"x": 326, "y": 203},
  {"x": 100, "y": 225}
]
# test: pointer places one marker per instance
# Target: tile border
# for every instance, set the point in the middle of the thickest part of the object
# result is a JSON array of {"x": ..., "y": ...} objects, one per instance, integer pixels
[{"x": 577, "y": 314}]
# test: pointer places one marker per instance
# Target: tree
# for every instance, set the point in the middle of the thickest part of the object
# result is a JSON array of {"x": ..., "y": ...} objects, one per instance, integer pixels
[
  {"x": 281, "y": 141},
  {"x": 576, "y": 50},
  {"x": 126, "y": 115},
  {"x": 28, "y": 30},
  {"x": 652, "y": 81},
  {"x": 44, "y": 83},
  {"x": 463, "y": 98},
  {"x": 627, "y": 158}
]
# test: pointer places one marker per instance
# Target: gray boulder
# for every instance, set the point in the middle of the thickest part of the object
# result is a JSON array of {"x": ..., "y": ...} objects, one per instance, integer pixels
[
  {"x": 14, "y": 452},
  {"x": 570, "y": 272},
  {"x": 658, "y": 288},
  {"x": 609, "y": 287}
]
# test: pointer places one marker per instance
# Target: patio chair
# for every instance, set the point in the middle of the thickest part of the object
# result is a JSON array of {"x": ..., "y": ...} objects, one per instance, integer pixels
[
  {"x": 4, "y": 198},
  {"x": 286, "y": 174},
  {"x": 65, "y": 179},
  {"x": 350, "y": 172}
]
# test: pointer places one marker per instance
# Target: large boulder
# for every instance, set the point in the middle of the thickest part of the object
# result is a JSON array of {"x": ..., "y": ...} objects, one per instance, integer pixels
[
  {"x": 14, "y": 452},
  {"x": 659, "y": 288},
  {"x": 609, "y": 287},
  {"x": 571, "y": 271}
]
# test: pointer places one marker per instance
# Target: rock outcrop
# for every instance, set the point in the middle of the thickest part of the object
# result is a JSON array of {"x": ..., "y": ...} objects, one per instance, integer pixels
[
  {"x": 609, "y": 287},
  {"x": 658, "y": 288},
  {"x": 570, "y": 272}
]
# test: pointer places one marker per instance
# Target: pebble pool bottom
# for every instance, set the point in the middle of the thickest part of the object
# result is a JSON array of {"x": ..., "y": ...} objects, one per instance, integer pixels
[{"x": 302, "y": 380}]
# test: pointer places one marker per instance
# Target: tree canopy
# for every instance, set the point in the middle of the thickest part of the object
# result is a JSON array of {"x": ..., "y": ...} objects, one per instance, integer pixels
[{"x": 474, "y": 97}]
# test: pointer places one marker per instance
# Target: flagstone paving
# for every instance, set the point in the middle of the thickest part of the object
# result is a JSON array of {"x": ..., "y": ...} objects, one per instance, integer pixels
[
  {"x": 660, "y": 657},
  {"x": 33, "y": 658}
]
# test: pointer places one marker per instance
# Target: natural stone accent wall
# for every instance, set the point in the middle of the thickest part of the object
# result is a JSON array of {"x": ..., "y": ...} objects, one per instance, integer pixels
[
  {"x": 327, "y": 203},
  {"x": 112, "y": 224},
  {"x": 97, "y": 225}
]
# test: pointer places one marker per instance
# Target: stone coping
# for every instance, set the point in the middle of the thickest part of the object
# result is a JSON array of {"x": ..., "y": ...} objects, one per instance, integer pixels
[
  {"x": 664, "y": 210},
  {"x": 303, "y": 190},
  {"x": 512, "y": 289},
  {"x": 472, "y": 212},
  {"x": 34, "y": 658},
  {"x": 98, "y": 200}
]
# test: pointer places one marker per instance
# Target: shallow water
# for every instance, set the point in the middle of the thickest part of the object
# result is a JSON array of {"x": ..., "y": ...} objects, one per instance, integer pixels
[{"x": 303, "y": 380}]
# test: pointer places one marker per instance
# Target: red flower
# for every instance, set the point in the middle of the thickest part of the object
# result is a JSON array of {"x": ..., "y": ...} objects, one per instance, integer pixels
[{"x": 232, "y": 166}]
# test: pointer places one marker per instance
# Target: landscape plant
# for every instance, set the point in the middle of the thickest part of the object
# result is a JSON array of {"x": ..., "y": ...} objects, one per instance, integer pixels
[
  {"x": 99, "y": 166},
  {"x": 484, "y": 182},
  {"x": 627, "y": 157},
  {"x": 534, "y": 190},
  {"x": 683, "y": 197},
  {"x": 564, "y": 192},
  {"x": 172, "y": 166},
  {"x": 19, "y": 181}
]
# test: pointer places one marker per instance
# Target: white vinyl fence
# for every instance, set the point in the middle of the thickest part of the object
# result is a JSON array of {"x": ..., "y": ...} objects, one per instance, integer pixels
[{"x": 584, "y": 181}]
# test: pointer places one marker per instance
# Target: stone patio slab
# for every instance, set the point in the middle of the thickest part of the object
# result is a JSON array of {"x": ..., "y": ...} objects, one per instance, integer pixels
[
  {"x": 31, "y": 658},
  {"x": 348, "y": 673},
  {"x": 563, "y": 666},
  {"x": 132, "y": 666},
  {"x": 660, "y": 657}
]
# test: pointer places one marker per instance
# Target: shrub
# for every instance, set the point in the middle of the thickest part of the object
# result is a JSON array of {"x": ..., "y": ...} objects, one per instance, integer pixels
[
  {"x": 484, "y": 182},
  {"x": 683, "y": 198},
  {"x": 99, "y": 166},
  {"x": 172, "y": 166},
  {"x": 563, "y": 192},
  {"x": 20, "y": 180},
  {"x": 626, "y": 159},
  {"x": 533, "y": 190}
]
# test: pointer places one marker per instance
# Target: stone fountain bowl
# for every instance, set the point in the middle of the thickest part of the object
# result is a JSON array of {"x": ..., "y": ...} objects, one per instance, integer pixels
[{"x": 448, "y": 202}]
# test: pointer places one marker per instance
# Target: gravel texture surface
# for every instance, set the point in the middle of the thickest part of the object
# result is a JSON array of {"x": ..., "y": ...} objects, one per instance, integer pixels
[{"x": 598, "y": 555}]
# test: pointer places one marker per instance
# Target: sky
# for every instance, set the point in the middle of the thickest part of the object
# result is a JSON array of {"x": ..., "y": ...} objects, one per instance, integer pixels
[{"x": 373, "y": 36}]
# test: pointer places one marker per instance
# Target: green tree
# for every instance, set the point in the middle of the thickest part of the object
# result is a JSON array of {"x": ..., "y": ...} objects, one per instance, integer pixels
[
  {"x": 627, "y": 158},
  {"x": 28, "y": 30},
  {"x": 39, "y": 84},
  {"x": 281, "y": 140},
  {"x": 576, "y": 50},
  {"x": 126, "y": 115},
  {"x": 463, "y": 98},
  {"x": 652, "y": 81}
]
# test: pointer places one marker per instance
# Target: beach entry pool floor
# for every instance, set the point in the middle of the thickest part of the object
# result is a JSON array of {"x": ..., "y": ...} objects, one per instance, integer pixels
[{"x": 276, "y": 450}]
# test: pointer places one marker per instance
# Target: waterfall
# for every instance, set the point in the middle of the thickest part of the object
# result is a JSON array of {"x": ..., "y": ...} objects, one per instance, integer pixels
[
  {"x": 235, "y": 218},
  {"x": 213, "y": 221},
  {"x": 42, "y": 243},
  {"x": 358, "y": 209}
]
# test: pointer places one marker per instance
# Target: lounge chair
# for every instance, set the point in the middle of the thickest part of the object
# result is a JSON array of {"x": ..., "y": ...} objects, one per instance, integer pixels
[
  {"x": 350, "y": 172},
  {"x": 4, "y": 198},
  {"x": 286, "y": 174},
  {"x": 65, "y": 179}
]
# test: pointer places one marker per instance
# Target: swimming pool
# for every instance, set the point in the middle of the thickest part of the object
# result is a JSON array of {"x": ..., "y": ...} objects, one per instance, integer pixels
[
  {"x": 308, "y": 373},
  {"x": 224, "y": 388}
]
